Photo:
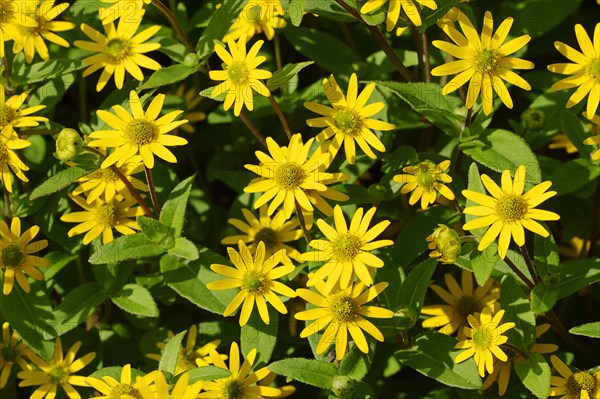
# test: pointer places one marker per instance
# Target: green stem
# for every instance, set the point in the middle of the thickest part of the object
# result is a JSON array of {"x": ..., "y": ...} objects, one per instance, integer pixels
[
  {"x": 152, "y": 189},
  {"x": 305, "y": 231},
  {"x": 255, "y": 132},
  {"x": 519, "y": 273},
  {"x": 173, "y": 21},
  {"x": 529, "y": 263},
  {"x": 281, "y": 116},
  {"x": 277, "y": 45}
]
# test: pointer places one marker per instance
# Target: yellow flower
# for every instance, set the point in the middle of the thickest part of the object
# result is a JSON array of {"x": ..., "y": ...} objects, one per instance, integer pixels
[
  {"x": 509, "y": 210},
  {"x": 101, "y": 217},
  {"x": 288, "y": 173},
  {"x": 595, "y": 139},
  {"x": 9, "y": 141},
  {"x": 160, "y": 389},
  {"x": 257, "y": 16},
  {"x": 349, "y": 120},
  {"x": 31, "y": 39},
  {"x": 444, "y": 243},
  {"x": 109, "y": 388},
  {"x": 241, "y": 384},
  {"x": 59, "y": 370},
  {"x": 483, "y": 339},
  {"x": 121, "y": 8},
  {"x": 138, "y": 133},
  {"x": 484, "y": 61},
  {"x": 274, "y": 233},
  {"x": 13, "y": 17},
  {"x": 342, "y": 311},
  {"x": 121, "y": 49},
  {"x": 573, "y": 385},
  {"x": 585, "y": 69},
  {"x": 11, "y": 115},
  {"x": 256, "y": 276},
  {"x": 410, "y": 9},
  {"x": 240, "y": 75},
  {"x": 192, "y": 100},
  {"x": 425, "y": 180},
  {"x": 561, "y": 140},
  {"x": 346, "y": 250},
  {"x": 11, "y": 351},
  {"x": 17, "y": 258},
  {"x": 461, "y": 300}
]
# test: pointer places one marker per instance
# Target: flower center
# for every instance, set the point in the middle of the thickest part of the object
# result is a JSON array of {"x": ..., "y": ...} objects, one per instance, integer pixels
[
  {"x": 126, "y": 390},
  {"x": 484, "y": 336},
  {"x": 238, "y": 73},
  {"x": 486, "y": 60},
  {"x": 344, "y": 309},
  {"x": 7, "y": 114},
  {"x": 348, "y": 121},
  {"x": 511, "y": 208},
  {"x": 58, "y": 374},
  {"x": 289, "y": 176},
  {"x": 233, "y": 389},
  {"x": 140, "y": 132},
  {"x": 187, "y": 359},
  {"x": 254, "y": 282},
  {"x": 581, "y": 381},
  {"x": 254, "y": 14},
  {"x": 12, "y": 256},
  {"x": 268, "y": 236},
  {"x": 108, "y": 175},
  {"x": 117, "y": 48},
  {"x": 425, "y": 177},
  {"x": 346, "y": 247},
  {"x": 593, "y": 68},
  {"x": 467, "y": 305},
  {"x": 107, "y": 215}
]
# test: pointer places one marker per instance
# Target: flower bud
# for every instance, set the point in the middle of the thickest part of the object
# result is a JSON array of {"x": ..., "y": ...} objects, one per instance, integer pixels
[
  {"x": 445, "y": 244},
  {"x": 191, "y": 60},
  {"x": 533, "y": 119},
  {"x": 68, "y": 144},
  {"x": 342, "y": 386}
]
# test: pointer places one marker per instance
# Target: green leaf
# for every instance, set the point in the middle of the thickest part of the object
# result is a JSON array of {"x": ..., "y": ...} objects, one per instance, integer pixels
[
  {"x": 571, "y": 176},
  {"x": 545, "y": 253},
  {"x": 591, "y": 330},
  {"x": 169, "y": 355},
  {"x": 283, "y": 75},
  {"x": 412, "y": 291},
  {"x": 173, "y": 211},
  {"x": 137, "y": 300},
  {"x": 218, "y": 25},
  {"x": 356, "y": 364},
  {"x": 484, "y": 263},
  {"x": 431, "y": 17},
  {"x": 60, "y": 180},
  {"x": 46, "y": 70},
  {"x": 155, "y": 231},
  {"x": 433, "y": 356},
  {"x": 543, "y": 298},
  {"x": 78, "y": 305},
  {"x": 514, "y": 302},
  {"x": 295, "y": 11},
  {"x": 185, "y": 249},
  {"x": 576, "y": 274},
  {"x": 312, "y": 372},
  {"x": 260, "y": 336},
  {"x": 169, "y": 75},
  {"x": 207, "y": 373},
  {"x": 134, "y": 246},
  {"x": 535, "y": 374},
  {"x": 576, "y": 131},
  {"x": 529, "y": 13},
  {"x": 115, "y": 372},
  {"x": 501, "y": 150}
]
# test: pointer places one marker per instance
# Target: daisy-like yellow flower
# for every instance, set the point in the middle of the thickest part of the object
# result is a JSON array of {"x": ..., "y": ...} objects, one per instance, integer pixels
[
  {"x": 121, "y": 8},
  {"x": 189, "y": 356},
  {"x": 346, "y": 250},
  {"x": 192, "y": 100},
  {"x": 255, "y": 276},
  {"x": 121, "y": 49},
  {"x": 242, "y": 383},
  {"x": 12, "y": 116},
  {"x": 462, "y": 301},
  {"x": 274, "y": 233},
  {"x": 573, "y": 385},
  {"x": 484, "y": 61},
  {"x": 100, "y": 218},
  {"x": 59, "y": 370},
  {"x": 240, "y": 75},
  {"x": 595, "y": 139},
  {"x": 258, "y": 16},
  {"x": 483, "y": 339},
  {"x": 138, "y": 133},
  {"x": 160, "y": 390},
  {"x": 289, "y": 175},
  {"x": 349, "y": 122},
  {"x": 508, "y": 211},
  {"x": 32, "y": 40},
  {"x": 17, "y": 258},
  {"x": 13, "y": 17},
  {"x": 11, "y": 351},
  {"x": 584, "y": 69},
  {"x": 9, "y": 141},
  {"x": 411, "y": 9},
  {"x": 109, "y": 388},
  {"x": 425, "y": 180},
  {"x": 342, "y": 311}
]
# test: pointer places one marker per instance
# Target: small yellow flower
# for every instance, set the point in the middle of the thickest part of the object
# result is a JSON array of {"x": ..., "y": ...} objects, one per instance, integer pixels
[
  {"x": 255, "y": 276},
  {"x": 342, "y": 311},
  {"x": 289, "y": 175},
  {"x": 573, "y": 385},
  {"x": 138, "y": 133},
  {"x": 11, "y": 351},
  {"x": 346, "y": 250},
  {"x": 100, "y": 217},
  {"x": 160, "y": 390},
  {"x": 425, "y": 180},
  {"x": 121, "y": 49},
  {"x": 59, "y": 370},
  {"x": 562, "y": 141},
  {"x": 242, "y": 383},
  {"x": 9, "y": 141},
  {"x": 484, "y": 61},
  {"x": 462, "y": 301},
  {"x": 584, "y": 68},
  {"x": 13, "y": 17},
  {"x": 595, "y": 139},
  {"x": 11, "y": 115},
  {"x": 509, "y": 210},
  {"x": 258, "y": 16},
  {"x": 349, "y": 121},
  {"x": 121, "y": 8},
  {"x": 240, "y": 75},
  {"x": 109, "y": 388},
  {"x": 445, "y": 244},
  {"x": 411, "y": 9},
  {"x": 17, "y": 258},
  {"x": 483, "y": 339}
]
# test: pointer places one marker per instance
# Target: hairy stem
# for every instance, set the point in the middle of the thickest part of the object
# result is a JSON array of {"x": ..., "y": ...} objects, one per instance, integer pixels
[
  {"x": 281, "y": 116},
  {"x": 173, "y": 21},
  {"x": 255, "y": 132},
  {"x": 152, "y": 189},
  {"x": 529, "y": 263},
  {"x": 307, "y": 235},
  {"x": 519, "y": 273}
]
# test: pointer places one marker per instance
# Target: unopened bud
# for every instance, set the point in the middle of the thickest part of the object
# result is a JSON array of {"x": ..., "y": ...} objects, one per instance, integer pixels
[
  {"x": 406, "y": 317},
  {"x": 191, "y": 60},
  {"x": 68, "y": 144},
  {"x": 533, "y": 119},
  {"x": 445, "y": 244},
  {"x": 342, "y": 386}
]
